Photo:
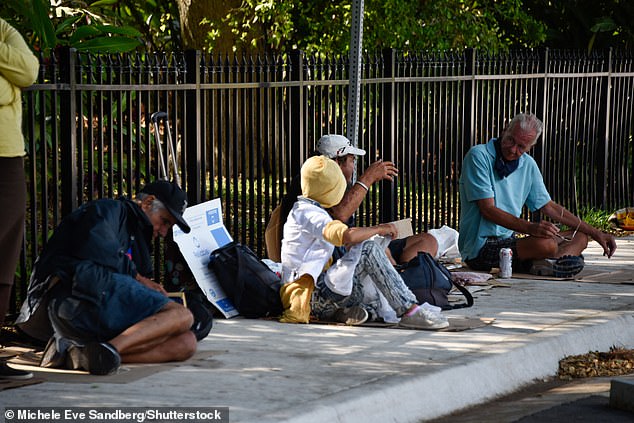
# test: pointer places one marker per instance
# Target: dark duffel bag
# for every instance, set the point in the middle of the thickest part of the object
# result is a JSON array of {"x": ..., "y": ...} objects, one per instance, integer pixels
[{"x": 247, "y": 281}]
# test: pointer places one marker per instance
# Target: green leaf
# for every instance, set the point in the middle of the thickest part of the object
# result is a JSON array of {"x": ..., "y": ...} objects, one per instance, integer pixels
[
  {"x": 121, "y": 30},
  {"x": 104, "y": 3},
  {"x": 83, "y": 32},
  {"x": 604, "y": 24},
  {"x": 42, "y": 25},
  {"x": 108, "y": 45},
  {"x": 69, "y": 22}
]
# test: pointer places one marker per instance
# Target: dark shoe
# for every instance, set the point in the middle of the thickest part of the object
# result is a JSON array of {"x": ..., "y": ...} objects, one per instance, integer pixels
[
  {"x": 203, "y": 319},
  {"x": 7, "y": 372},
  {"x": 351, "y": 316},
  {"x": 55, "y": 353},
  {"x": 563, "y": 267},
  {"x": 98, "y": 358}
]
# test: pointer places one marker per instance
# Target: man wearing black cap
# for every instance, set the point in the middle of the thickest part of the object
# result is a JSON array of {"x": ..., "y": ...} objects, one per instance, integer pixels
[{"x": 91, "y": 294}]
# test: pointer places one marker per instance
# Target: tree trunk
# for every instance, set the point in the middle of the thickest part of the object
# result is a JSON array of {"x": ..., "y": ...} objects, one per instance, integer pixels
[{"x": 194, "y": 31}]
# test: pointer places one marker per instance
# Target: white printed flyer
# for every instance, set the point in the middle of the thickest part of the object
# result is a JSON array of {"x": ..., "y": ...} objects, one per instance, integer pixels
[{"x": 207, "y": 234}]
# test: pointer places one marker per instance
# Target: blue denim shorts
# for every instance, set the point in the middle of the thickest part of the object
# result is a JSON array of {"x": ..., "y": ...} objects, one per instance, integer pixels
[
  {"x": 326, "y": 292},
  {"x": 127, "y": 303}
]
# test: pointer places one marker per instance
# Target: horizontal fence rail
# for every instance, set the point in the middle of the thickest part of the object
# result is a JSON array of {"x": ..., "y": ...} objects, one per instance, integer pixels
[{"x": 242, "y": 126}]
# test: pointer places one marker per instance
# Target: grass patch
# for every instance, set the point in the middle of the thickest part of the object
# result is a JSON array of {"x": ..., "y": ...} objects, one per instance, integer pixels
[
  {"x": 596, "y": 218},
  {"x": 600, "y": 220}
]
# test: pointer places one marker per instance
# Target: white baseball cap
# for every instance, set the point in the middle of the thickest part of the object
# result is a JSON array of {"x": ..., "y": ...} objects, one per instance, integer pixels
[{"x": 333, "y": 146}]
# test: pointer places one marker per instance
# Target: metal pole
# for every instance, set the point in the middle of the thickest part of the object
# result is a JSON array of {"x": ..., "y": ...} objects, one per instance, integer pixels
[{"x": 356, "y": 41}]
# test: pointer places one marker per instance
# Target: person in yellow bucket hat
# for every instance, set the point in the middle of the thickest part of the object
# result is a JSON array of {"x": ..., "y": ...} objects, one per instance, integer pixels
[{"x": 309, "y": 238}]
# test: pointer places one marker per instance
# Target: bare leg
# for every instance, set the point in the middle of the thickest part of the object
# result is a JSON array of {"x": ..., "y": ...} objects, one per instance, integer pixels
[
  {"x": 162, "y": 337},
  {"x": 574, "y": 247},
  {"x": 177, "y": 348},
  {"x": 420, "y": 242},
  {"x": 532, "y": 248}
]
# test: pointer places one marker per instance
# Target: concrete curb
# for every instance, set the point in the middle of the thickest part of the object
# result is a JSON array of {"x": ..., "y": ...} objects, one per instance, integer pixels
[{"x": 465, "y": 385}]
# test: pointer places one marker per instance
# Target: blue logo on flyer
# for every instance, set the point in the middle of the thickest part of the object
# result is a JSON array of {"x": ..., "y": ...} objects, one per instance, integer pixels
[{"x": 213, "y": 217}]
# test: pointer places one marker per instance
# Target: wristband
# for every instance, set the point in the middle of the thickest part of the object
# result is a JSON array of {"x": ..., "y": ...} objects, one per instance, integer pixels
[{"x": 362, "y": 185}]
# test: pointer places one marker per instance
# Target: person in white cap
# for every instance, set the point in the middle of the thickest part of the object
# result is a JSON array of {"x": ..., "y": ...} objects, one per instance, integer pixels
[
  {"x": 339, "y": 148},
  {"x": 91, "y": 295}
]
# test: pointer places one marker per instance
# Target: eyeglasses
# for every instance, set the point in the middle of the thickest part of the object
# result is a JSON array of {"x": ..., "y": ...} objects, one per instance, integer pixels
[{"x": 510, "y": 141}]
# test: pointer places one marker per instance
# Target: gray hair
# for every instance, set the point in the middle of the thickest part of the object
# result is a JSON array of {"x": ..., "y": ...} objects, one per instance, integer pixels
[
  {"x": 527, "y": 122},
  {"x": 157, "y": 205}
]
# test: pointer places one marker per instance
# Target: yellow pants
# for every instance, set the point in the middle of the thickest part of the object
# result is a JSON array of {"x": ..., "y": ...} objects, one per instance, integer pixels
[{"x": 296, "y": 300}]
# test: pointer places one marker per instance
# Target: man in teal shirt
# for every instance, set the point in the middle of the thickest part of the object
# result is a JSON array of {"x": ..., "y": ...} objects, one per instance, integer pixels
[{"x": 497, "y": 180}]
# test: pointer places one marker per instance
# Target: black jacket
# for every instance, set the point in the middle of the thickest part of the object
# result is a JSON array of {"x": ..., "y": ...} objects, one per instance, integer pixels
[{"x": 100, "y": 237}]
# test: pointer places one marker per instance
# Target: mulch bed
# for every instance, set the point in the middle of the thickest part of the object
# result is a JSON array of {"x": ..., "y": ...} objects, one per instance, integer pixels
[{"x": 616, "y": 362}]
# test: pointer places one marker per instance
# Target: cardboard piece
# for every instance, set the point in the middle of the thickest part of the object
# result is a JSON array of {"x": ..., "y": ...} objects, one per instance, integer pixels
[
  {"x": 456, "y": 324},
  {"x": 10, "y": 384},
  {"x": 179, "y": 297},
  {"x": 127, "y": 372},
  {"x": 602, "y": 276},
  {"x": 536, "y": 277},
  {"x": 404, "y": 227}
]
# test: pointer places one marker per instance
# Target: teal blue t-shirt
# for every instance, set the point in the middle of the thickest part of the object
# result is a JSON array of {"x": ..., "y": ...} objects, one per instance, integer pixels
[{"x": 479, "y": 180}]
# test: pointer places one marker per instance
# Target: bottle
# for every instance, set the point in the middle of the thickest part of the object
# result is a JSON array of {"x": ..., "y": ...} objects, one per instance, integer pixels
[{"x": 506, "y": 262}]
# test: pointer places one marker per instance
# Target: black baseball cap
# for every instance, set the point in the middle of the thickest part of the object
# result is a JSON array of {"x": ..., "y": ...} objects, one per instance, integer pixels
[{"x": 173, "y": 197}]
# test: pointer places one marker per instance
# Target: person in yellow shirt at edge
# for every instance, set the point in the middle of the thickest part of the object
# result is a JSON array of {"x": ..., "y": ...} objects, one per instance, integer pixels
[{"x": 18, "y": 69}]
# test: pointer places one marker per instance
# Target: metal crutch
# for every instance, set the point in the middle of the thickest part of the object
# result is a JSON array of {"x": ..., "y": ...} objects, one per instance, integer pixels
[{"x": 156, "y": 116}]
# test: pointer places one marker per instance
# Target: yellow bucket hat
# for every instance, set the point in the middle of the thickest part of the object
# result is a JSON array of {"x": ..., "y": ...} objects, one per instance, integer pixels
[{"x": 323, "y": 181}]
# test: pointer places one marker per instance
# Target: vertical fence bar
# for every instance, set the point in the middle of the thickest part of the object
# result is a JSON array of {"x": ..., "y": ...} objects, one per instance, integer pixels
[
  {"x": 388, "y": 197},
  {"x": 542, "y": 112},
  {"x": 296, "y": 153},
  {"x": 68, "y": 133},
  {"x": 469, "y": 99},
  {"x": 193, "y": 143},
  {"x": 606, "y": 122}
]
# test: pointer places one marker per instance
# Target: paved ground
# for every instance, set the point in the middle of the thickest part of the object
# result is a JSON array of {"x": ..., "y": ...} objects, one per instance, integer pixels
[
  {"x": 265, "y": 371},
  {"x": 581, "y": 400}
]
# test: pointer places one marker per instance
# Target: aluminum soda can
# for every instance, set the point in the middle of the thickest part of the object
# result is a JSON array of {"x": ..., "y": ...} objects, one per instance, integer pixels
[{"x": 506, "y": 262}]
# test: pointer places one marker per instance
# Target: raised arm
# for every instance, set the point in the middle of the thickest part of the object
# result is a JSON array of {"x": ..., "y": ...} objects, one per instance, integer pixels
[{"x": 377, "y": 171}]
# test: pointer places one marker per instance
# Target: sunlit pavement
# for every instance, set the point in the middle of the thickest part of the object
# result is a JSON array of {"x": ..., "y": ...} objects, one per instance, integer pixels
[{"x": 265, "y": 371}]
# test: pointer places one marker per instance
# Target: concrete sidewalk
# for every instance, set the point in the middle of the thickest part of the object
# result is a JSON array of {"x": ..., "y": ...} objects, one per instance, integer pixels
[{"x": 265, "y": 371}]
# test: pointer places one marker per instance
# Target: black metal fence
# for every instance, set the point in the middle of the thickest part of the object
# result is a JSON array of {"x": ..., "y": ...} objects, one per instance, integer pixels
[{"x": 243, "y": 125}]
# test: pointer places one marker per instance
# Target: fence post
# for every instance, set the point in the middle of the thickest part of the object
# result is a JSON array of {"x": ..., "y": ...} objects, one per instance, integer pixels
[
  {"x": 296, "y": 113},
  {"x": 68, "y": 132},
  {"x": 193, "y": 142},
  {"x": 469, "y": 89},
  {"x": 387, "y": 194},
  {"x": 542, "y": 92},
  {"x": 602, "y": 169}
]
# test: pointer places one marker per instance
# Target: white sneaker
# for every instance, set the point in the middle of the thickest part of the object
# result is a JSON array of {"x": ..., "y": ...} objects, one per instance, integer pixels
[{"x": 424, "y": 319}]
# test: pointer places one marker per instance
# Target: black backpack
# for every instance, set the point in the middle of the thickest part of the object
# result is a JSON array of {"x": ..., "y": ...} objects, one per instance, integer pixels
[
  {"x": 431, "y": 282},
  {"x": 253, "y": 288}
]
